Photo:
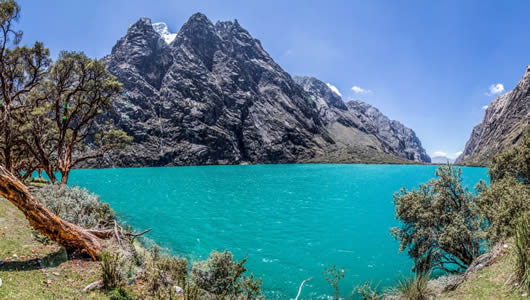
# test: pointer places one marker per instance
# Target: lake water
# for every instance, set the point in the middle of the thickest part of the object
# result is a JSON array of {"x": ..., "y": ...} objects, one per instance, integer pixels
[{"x": 291, "y": 221}]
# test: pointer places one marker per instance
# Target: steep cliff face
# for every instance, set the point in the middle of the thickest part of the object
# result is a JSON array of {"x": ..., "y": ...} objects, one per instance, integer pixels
[
  {"x": 365, "y": 122},
  {"x": 211, "y": 94},
  {"x": 504, "y": 123}
]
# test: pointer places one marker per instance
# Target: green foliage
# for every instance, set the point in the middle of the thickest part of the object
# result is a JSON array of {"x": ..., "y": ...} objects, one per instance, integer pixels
[
  {"x": 251, "y": 288},
  {"x": 333, "y": 276},
  {"x": 110, "y": 271},
  {"x": 501, "y": 205},
  {"x": 415, "y": 287},
  {"x": 219, "y": 274},
  {"x": 75, "y": 205},
  {"x": 367, "y": 291},
  {"x": 522, "y": 252},
  {"x": 442, "y": 227},
  {"x": 514, "y": 162},
  {"x": 120, "y": 293}
]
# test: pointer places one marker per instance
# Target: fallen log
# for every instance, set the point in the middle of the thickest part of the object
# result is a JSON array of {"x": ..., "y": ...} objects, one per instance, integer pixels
[{"x": 66, "y": 234}]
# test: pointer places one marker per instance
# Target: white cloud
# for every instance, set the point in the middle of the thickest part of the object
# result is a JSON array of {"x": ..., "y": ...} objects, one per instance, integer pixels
[
  {"x": 458, "y": 153},
  {"x": 440, "y": 153},
  {"x": 485, "y": 107},
  {"x": 334, "y": 89},
  {"x": 495, "y": 89},
  {"x": 359, "y": 90}
]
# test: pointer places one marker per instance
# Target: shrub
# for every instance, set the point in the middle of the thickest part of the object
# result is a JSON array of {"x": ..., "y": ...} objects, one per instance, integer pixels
[
  {"x": 333, "y": 276},
  {"x": 514, "y": 162},
  {"x": 75, "y": 205},
  {"x": 110, "y": 271},
  {"x": 251, "y": 289},
  {"x": 218, "y": 274},
  {"x": 367, "y": 291},
  {"x": 522, "y": 252},
  {"x": 415, "y": 287},
  {"x": 501, "y": 205},
  {"x": 442, "y": 227},
  {"x": 175, "y": 268}
]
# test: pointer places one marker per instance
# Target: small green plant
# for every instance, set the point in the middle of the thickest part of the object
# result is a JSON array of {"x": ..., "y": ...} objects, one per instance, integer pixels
[
  {"x": 521, "y": 252},
  {"x": 120, "y": 294},
  {"x": 367, "y": 291},
  {"x": 110, "y": 271},
  {"x": 40, "y": 237},
  {"x": 155, "y": 252},
  {"x": 415, "y": 287},
  {"x": 333, "y": 276},
  {"x": 251, "y": 288}
]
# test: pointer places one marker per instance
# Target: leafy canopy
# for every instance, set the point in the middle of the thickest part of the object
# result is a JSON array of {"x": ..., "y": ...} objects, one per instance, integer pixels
[{"x": 442, "y": 228}]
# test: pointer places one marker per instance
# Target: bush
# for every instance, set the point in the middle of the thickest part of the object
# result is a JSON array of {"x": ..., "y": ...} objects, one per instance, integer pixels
[
  {"x": 219, "y": 274},
  {"x": 367, "y": 291},
  {"x": 110, "y": 271},
  {"x": 514, "y": 162},
  {"x": 120, "y": 294},
  {"x": 333, "y": 276},
  {"x": 75, "y": 205},
  {"x": 415, "y": 287},
  {"x": 522, "y": 252},
  {"x": 501, "y": 205},
  {"x": 442, "y": 226}
]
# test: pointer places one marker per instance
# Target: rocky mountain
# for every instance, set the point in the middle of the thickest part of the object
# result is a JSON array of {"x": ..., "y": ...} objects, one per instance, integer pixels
[
  {"x": 356, "y": 124},
  {"x": 211, "y": 94},
  {"x": 441, "y": 160},
  {"x": 504, "y": 123}
]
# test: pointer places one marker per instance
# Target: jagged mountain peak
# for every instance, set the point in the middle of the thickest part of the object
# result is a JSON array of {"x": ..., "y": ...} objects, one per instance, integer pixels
[
  {"x": 197, "y": 26},
  {"x": 214, "y": 96}
]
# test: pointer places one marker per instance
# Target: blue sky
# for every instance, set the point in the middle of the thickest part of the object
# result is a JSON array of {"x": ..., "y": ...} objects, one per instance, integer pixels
[{"x": 428, "y": 64}]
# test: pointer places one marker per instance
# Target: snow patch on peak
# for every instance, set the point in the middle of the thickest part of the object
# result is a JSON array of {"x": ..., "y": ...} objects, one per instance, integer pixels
[{"x": 161, "y": 29}]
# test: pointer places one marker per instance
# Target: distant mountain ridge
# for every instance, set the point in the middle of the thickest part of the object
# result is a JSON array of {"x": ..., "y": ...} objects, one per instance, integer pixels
[
  {"x": 442, "y": 160},
  {"x": 212, "y": 95},
  {"x": 505, "y": 121}
]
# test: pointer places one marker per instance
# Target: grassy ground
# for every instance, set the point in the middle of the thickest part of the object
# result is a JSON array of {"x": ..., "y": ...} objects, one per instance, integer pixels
[
  {"x": 31, "y": 270},
  {"x": 492, "y": 282}
]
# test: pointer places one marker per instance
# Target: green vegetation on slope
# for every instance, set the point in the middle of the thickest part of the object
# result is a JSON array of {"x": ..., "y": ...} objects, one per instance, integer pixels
[{"x": 21, "y": 273}]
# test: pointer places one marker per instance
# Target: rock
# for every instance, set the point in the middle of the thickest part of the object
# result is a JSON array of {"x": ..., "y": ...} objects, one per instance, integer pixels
[
  {"x": 179, "y": 291},
  {"x": 505, "y": 121},
  {"x": 0, "y": 282},
  {"x": 212, "y": 95},
  {"x": 93, "y": 286}
]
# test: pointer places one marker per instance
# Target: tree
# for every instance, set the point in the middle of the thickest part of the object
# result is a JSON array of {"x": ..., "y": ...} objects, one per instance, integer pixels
[
  {"x": 68, "y": 235},
  {"x": 514, "y": 162},
  {"x": 442, "y": 228},
  {"x": 21, "y": 71},
  {"x": 62, "y": 114},
  {"x": 508, "y": 196}
]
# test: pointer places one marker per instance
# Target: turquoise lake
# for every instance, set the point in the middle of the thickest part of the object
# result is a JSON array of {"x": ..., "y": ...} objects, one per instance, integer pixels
[{"x": 291, "y": 221}]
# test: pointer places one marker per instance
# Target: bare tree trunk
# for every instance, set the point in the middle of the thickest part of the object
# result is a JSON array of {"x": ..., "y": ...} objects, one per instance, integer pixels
[
  {"x": 68, "y": 235},
  {"x": 64, "y": 176}
]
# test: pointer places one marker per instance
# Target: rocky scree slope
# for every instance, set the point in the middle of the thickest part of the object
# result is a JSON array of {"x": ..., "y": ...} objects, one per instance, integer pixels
[
  {"x": 211, "y": 94},
  {"x": 504, "y": 123}
]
